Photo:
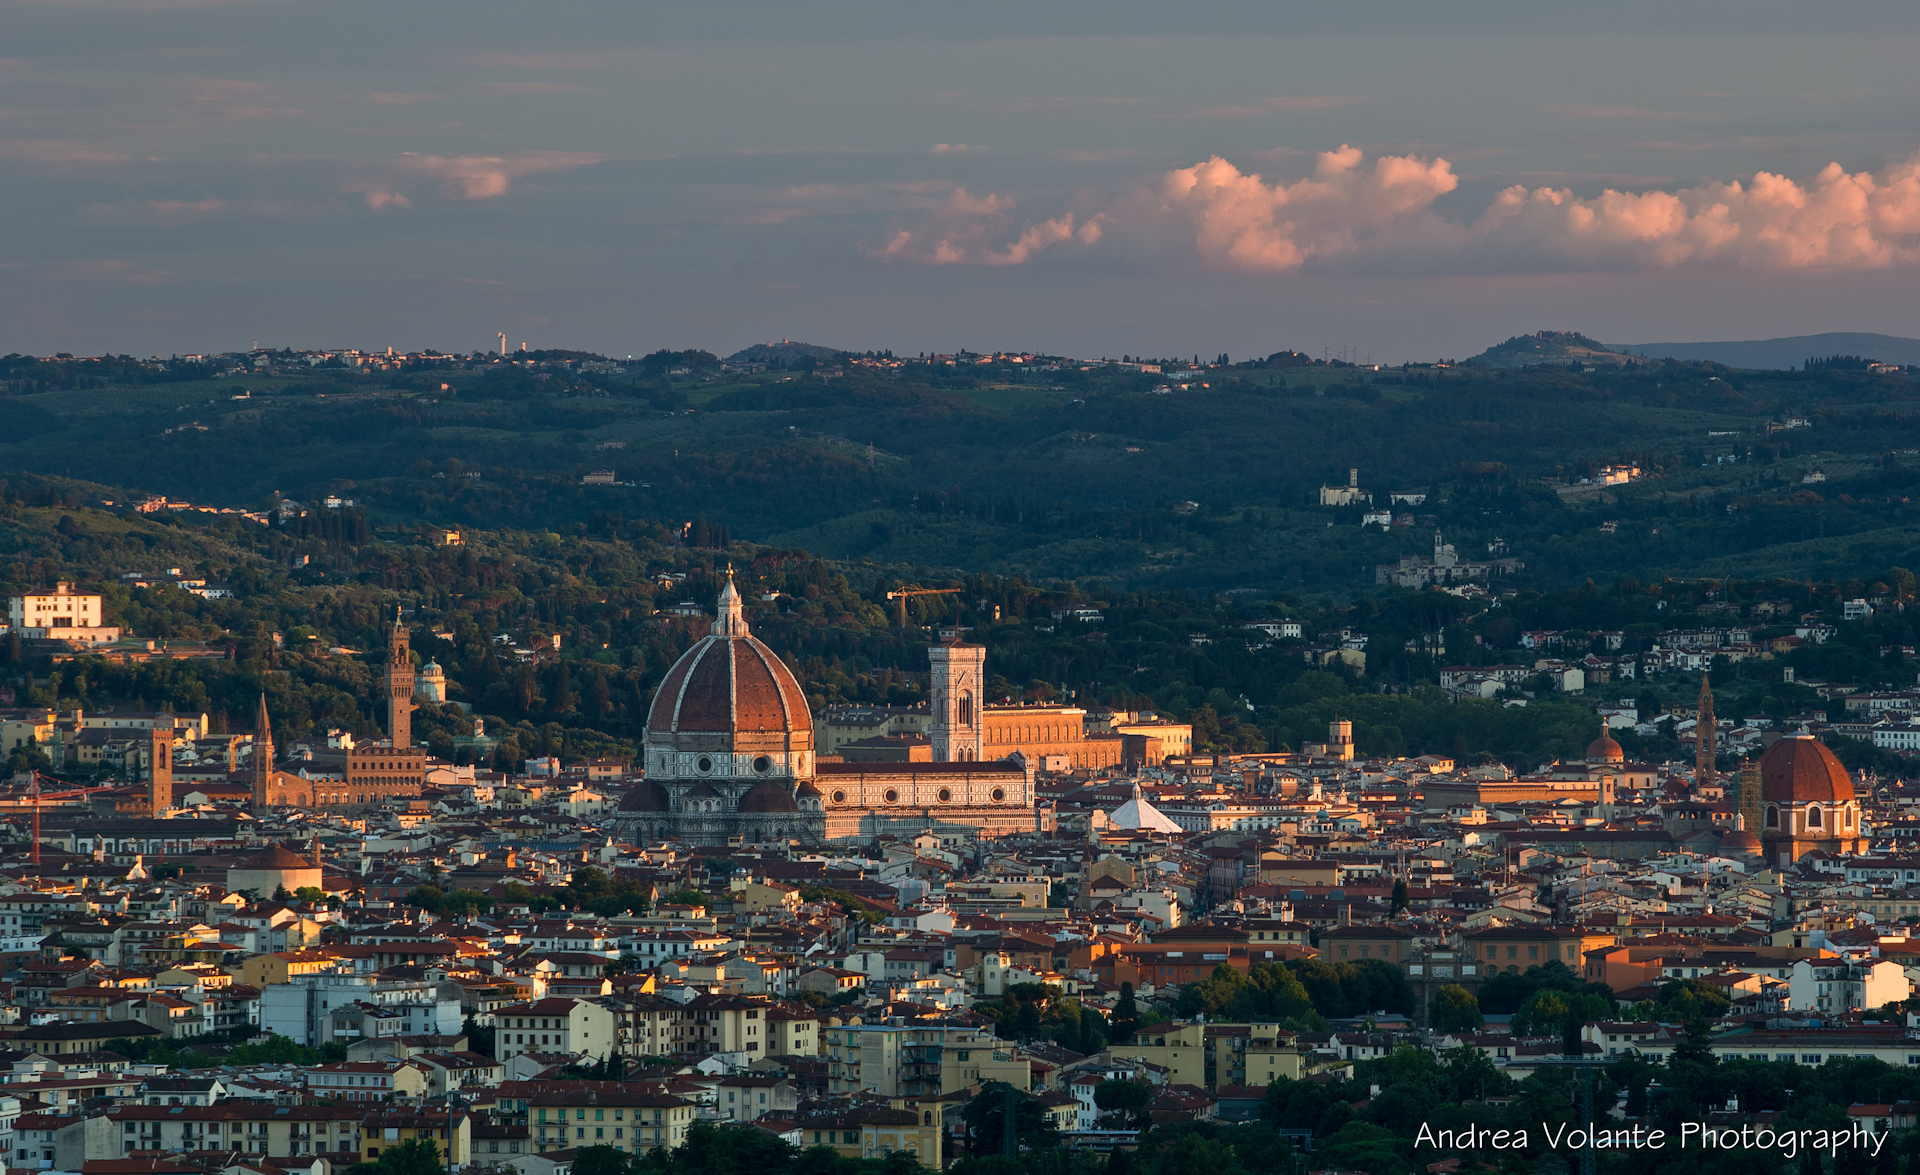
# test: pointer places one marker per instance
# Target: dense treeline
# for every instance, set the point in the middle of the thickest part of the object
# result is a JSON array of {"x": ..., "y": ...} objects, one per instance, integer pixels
[{"x": 1062, "y": 472}]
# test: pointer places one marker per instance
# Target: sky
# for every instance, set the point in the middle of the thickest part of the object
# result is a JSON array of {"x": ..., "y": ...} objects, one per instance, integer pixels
[{"x": 1393, "y": 180}]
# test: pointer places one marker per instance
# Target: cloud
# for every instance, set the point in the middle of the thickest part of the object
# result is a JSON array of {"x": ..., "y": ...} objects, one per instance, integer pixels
[
  {"x": 124, "y": 273},
  {"x": 1584, "y": 110},
  {"x": 1060, "y": 104},
  {"x": 58, "y": 151},
  {"x": 384, "y": 182},
  {"x": 401, "y": 99},
  {"x": 515, "y": 88},
  {"x": 1239, "y": 220},
  {"x": 1384, "y": 216},
  {"x": 953, "y": 149},
  {"x": 557, "y": 59},
  {"x": 239, "y": 98},
  {"x": 1268, "y": 106},
  {"x": 972, "y": 230}
]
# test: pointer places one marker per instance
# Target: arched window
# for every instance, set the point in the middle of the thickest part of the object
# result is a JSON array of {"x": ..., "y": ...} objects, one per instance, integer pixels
[
  {"x": 1773, "y": 816},
  {"x": 966, "y": 709},
  {"x": 1813, "y": 817}
]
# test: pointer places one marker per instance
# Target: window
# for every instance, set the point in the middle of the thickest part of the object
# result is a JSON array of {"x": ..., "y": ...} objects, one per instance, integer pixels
[
  {"x": 1773, "y": 816},
  {"x": 1813, "y": 817}
]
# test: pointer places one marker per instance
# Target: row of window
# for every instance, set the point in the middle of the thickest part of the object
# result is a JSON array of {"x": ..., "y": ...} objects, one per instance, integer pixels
[
  {"x": 892, "y": 796},
  {"x": 1533, "y": 952},
  {"x": 560, "y": 1115}
]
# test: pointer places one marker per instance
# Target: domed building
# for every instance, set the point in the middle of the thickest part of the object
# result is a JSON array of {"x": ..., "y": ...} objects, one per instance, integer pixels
[
  {"x": 729, "y": 746},
  {"x": 432, "y": 683},
  {"x": 1605, "y": 749},
  {"x": 1807, "y": 802},
  {"x": 272, "y": 869}
]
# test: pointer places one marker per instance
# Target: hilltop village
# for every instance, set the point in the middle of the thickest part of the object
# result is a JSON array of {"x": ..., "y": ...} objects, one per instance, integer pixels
[{"x": 866, "y": 929}]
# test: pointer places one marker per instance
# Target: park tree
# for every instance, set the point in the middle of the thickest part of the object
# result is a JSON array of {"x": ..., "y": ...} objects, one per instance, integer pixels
[{"x": 1454, "y": 1009}]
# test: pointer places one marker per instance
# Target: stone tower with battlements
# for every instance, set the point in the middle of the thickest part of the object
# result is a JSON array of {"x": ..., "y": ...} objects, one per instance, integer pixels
[
  {"x": 160, "y": 770},
  {"x": 399, "y": 685}
]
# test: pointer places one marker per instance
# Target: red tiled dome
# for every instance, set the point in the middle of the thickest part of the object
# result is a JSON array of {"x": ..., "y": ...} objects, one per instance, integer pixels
[
  {"x": 1605, "y": 750},
  {"x": 769, "y": 795},
  {"x": 645, "y": 796},
  {"x": 730, "y": 683},
  {"x": 1799, "y": 769}
]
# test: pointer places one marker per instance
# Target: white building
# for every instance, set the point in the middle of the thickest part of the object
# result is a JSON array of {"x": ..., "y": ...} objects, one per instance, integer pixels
[
  {"x": 1840, "y": 985},
  {"x": 61, "y": 613}
]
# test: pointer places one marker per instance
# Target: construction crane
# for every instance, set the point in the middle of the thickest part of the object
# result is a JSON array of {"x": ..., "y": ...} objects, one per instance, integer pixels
[{"x": 903, "y": 593}]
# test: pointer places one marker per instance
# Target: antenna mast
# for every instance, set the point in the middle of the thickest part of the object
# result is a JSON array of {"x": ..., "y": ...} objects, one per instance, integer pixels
[{"x": 36, "y": 823}]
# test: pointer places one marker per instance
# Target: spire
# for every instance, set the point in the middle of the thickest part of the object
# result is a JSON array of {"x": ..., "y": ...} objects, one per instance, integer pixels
[
  {"x": 262, "y": 755},
  {"x": 732, "y": 620}
]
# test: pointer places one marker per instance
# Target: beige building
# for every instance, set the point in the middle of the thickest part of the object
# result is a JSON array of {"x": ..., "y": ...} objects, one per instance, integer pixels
[
  {"x": 578, "y": 1114},
  {"x": 1179, "y": 1048},
  {"x": 61, "y": 614},
  {"x": 965, "y": 728},
  {"x": 555, "y": 1026},
  {"x": 792, "y": 1033},
  {"x": 916, "y": 1060},
  {"x": 271, "y": 869},
  {"x": 842, "y": 725}
]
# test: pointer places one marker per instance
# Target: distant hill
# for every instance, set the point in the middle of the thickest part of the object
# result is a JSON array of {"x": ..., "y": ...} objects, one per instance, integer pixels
[
  {"x": 781, "y": 354},
  {"x": 1548, "y": 346},
  {"x": 1785, "y": 353}
]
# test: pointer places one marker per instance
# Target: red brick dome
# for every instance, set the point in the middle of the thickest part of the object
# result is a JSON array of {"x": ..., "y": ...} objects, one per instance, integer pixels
[
  {"x": 645, "y": 796},
  {"x": 730, "y": 683},
  {"x": 1799, "y": 769},
  {"x": 769, "y": 795},
  {"x": 1605, "y": 750}
]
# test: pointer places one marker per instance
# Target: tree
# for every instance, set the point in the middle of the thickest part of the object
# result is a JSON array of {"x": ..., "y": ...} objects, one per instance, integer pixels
[
  {"x": 1125, "y": 1020},
  {"x": 1130, "y": 1097},
  {"x": 1454, "y": 1009},
  {"x": 600, "y": 1160},
  {"x": 985, "y": 1119},
  {"x": 1400, "y": 901},
  {"x": 416, "y": 1156}
]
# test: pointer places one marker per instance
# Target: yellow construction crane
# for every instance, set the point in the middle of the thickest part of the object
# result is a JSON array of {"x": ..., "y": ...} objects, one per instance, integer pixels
[{"x": 903, "y": 593}]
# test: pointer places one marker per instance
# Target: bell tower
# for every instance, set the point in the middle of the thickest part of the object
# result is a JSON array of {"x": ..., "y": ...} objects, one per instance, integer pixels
[
  {"x": 262, "y": 755},
  {"x": 399, "y": 685},
  {"x": 954, "y": 685},
  {"x": 1704, "y": 732},
  {"x": 159, "y": 771}
]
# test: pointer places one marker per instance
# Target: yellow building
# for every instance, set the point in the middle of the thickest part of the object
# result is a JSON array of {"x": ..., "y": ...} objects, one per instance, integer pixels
[
  {"x": 385, "y": 1129},
  {"x": 1179, "y": 1048},
  {"x": 964, "y": 1066},
  {"x": 753, "y": 896},
  {"x": 1038, "y": 732},
  {"x": 282, "y": 966},
  {"x": 573, "y": 1114},
  {"x": 878, "y": 1133},
  {"x": 792, "y": 1033},
  {"x": 1270, "y": 1053}
]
